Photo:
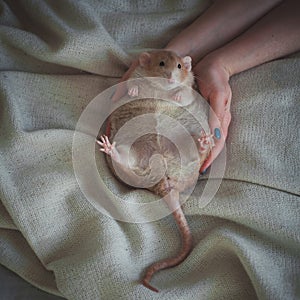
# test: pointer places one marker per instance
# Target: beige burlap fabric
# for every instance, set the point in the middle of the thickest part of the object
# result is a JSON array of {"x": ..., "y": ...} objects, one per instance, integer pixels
[{"x": 55, "y": 57}]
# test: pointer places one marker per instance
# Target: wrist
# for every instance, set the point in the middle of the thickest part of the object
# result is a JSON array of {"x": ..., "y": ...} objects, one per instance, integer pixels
[{"x": 215, "y": 61}]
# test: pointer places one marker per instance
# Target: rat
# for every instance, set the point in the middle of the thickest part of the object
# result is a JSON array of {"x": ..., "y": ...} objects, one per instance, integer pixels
[
  {"x": 164, "y": 64},
  {"x": 137, "y": 167}
]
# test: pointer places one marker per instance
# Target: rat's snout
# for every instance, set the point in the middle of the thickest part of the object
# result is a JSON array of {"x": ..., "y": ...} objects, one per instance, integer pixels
[
  {"x": 168, "y": 75},
  {"x": 171, "y": 78}
]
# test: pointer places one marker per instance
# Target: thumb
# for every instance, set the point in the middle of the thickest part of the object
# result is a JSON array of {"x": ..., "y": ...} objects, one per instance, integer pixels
[
  {"x": 219, "y": 120},
  {"x": 216, "y": 115}
]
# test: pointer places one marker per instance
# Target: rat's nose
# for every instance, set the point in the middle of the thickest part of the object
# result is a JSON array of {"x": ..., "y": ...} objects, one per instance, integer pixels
[{"x": 171, "y": 80}]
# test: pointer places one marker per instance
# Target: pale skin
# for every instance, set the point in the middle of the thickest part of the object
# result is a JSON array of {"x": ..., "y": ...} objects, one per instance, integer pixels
[
  {"x": 228, "y": 38},
  {"x": 231, "y": 37}
]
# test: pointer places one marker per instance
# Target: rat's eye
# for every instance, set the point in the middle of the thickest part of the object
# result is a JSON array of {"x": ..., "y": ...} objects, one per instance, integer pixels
[
  {"x": 179, "y": 66},
  {"x": 161, "y": 63}
]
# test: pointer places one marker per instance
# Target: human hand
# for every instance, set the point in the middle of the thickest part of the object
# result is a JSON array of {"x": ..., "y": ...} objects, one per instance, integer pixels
[{"x": 213, "y": 82}]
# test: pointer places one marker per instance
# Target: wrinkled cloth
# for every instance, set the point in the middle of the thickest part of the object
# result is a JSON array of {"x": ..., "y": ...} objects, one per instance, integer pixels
[{"x": 55, "y": 57}]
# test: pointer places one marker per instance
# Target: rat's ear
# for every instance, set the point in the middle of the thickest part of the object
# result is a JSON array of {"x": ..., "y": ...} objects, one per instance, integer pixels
[
  {"x": 144, "y": 59},
  {"x": 187, "y": 61}
]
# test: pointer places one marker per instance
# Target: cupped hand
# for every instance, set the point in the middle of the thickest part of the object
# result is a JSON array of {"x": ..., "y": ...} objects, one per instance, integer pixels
[{"x": 213, "y": 82}]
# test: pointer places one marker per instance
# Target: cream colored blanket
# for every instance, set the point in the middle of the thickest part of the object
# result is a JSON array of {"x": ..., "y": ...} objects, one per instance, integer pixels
[{"x": 55, "y": 57}]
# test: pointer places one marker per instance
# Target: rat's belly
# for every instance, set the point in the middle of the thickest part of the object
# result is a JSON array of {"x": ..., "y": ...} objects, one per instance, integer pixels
[{"x": 147, "y": 140}]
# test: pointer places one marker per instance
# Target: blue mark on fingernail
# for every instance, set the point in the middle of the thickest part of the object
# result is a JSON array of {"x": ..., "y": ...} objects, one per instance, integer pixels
[
  {"x": 217, "y": 133},
  {"x": 204, "y": 172}
]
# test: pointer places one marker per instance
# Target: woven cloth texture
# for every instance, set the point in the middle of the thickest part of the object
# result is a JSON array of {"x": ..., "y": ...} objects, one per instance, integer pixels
[{"x": 55, "y": 57}]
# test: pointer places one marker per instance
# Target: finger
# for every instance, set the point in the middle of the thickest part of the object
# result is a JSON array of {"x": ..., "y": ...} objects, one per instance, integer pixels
[
  {"x": 219, "y": 115},
  {"x": 219, "y": 144},
  {"x": 122, "y": 87},
  {"x": 102, "y": 139},
  {"x": 218, "y": 106},
  {"x": 99, "y": 143},
  {"x": 225, "y": 123},
  {"x": 213, "y": 154}
]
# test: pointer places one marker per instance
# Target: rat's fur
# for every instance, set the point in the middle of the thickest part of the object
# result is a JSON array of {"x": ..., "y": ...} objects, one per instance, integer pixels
[{"x": 171, "y": 184}]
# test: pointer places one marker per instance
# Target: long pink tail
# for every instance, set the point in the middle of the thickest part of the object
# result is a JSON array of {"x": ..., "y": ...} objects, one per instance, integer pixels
[{"x": 187, "y": 243}]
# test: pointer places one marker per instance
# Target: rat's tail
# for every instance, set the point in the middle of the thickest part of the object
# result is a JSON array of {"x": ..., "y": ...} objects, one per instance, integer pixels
[{"x": 185, "y": 249}]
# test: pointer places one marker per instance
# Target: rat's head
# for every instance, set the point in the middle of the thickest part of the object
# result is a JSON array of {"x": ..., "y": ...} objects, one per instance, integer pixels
[{"x": 166, "y": 64}]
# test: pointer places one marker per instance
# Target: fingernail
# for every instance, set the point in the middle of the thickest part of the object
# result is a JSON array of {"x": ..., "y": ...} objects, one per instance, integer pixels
[
  {"x": 217, "y": 133},
  {"x": 203, "y": 172}
]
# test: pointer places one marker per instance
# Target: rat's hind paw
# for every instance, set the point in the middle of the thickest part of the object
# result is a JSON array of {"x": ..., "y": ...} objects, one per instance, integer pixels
[
  {"x": 106, "y": 146},
  {"x": 133, "y": 91},
  {"x": 206, "y": 141}
]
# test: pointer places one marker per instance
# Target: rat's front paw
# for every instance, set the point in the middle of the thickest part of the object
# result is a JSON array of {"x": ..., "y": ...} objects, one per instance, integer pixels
[
  {"x": 177, "y": 97},
  {"x": 133, "y": 91},
  {"x": 206, "y": 141},
  {"x": 106, "y": 146}
]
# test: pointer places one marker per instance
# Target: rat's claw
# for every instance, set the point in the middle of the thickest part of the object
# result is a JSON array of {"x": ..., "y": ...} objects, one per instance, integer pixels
[
  {"x": 99, "y": 143},
  {"x": 102, "y": 139}
]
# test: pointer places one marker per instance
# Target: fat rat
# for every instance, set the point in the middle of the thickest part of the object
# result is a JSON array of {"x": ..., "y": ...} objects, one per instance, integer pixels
[{"x": 176, "y": 72}]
